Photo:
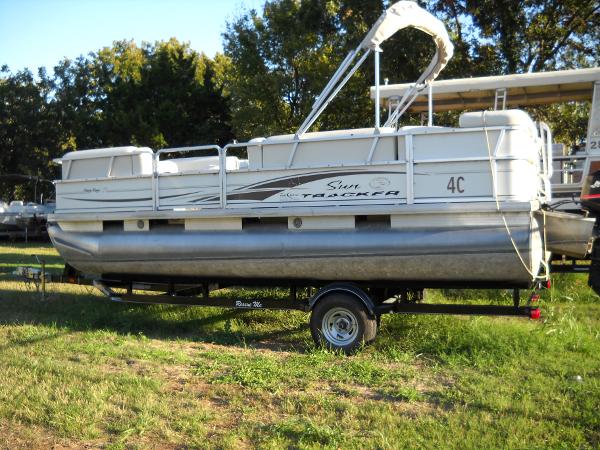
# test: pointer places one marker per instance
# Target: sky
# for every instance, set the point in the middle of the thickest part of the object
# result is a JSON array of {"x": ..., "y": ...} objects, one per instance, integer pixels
[{"x": 35, "y": 33}]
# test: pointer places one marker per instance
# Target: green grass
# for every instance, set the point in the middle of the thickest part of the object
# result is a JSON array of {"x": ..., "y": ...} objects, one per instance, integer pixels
[{"x": 80, "y": 371}]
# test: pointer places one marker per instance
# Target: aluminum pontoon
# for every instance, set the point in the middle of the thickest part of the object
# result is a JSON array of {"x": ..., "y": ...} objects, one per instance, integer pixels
[{"x": 385, "y": 208}]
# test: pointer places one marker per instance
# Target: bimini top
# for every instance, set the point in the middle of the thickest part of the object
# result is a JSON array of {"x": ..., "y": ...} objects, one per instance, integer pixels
[
  {"x": 526, "y": 89},
  {"x": 406, "y": 14},
  {"x": 400, "y": 15}
]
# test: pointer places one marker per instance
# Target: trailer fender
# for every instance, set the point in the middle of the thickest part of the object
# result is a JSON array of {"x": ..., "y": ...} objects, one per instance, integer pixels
[{"x": 346, "y": 288}]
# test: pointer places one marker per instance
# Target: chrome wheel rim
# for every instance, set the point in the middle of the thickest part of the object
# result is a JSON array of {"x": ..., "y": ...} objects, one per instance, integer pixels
[{"x": 340, "y": 326}]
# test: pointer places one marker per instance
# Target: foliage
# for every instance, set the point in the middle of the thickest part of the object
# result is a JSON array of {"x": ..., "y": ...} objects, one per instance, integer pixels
[
  {"x": 282, "y": 57},
  {"x": 281, "y": 60},
  {"x": 28, "y": 135},
  {"x": 532, "y": 35},
  {"x": 159, "y": 95}
]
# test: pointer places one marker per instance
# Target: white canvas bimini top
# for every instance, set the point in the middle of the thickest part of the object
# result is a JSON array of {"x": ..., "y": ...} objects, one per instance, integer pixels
[
  {"x": 405, "y": 14},
  {"x": 522, "y": 90},
  {"x": 400, "y": 15}
]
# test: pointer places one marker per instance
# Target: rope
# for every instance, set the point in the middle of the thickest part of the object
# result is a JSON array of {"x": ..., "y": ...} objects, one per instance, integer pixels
[{"x": 508, "y": 232}]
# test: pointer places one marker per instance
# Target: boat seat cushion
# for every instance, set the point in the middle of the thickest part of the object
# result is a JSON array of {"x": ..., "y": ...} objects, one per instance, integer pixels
[
  {"x": 330, "y": 134},
  {"x": 198, "y": 164},
  {"x": 507, "y": 117}
]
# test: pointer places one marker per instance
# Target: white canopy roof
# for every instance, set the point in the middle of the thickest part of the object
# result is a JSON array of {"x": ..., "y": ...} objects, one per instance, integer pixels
[
  {"x": 522, "y": 90},
  {"x": 405, "y": 14}
]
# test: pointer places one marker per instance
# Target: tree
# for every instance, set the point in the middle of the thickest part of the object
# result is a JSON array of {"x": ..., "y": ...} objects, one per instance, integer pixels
[
  {"x": 281, "y": 58},
  {"x": 160, "y": 95},
  {"x": 77, "y": 101},
  {"x": 276, "y": 62},
  {"x": 280, "y": 61},
  {"x": 526, "y": 35},
  {"x": 28, "y": 137}
]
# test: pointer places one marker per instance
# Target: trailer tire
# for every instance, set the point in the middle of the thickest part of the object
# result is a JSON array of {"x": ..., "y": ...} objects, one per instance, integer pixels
[{"x": 342, "y": 322}]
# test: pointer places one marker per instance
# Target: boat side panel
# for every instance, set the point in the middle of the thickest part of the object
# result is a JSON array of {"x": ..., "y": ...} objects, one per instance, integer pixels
[
  {"x": 106, "y": 194},
  {"x": 189, "y": 189},
  {"x": 515, "y": 180},
  {"x": 445, "y": 165},
  {"x": 353, "y": 185}
]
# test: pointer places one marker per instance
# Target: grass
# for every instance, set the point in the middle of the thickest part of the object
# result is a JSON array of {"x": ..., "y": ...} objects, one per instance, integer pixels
[{"x": 78, "y": 371}]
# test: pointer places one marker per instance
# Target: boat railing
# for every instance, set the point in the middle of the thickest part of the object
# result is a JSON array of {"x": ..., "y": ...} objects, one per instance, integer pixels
[
  {"x": 570, "y": 170},
  {"x": 156, "y": 173},
  {"x": 546, "y": 155},
  {"x": 296, "y": 144}
]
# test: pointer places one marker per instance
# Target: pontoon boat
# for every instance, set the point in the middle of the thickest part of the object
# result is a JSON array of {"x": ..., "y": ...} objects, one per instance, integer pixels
[{"x": 387, "y": 206}]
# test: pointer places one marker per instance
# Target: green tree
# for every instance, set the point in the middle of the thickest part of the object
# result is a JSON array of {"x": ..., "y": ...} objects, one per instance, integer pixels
[
  {"x": 514, "y": 36},
  {"x": 160, "y": 95},
  {"x": 281, "y": 58},
  {"x": 76, "y": 103},
  {"x": 28, "y": 135},
  {"x": 276, "y": 62}
]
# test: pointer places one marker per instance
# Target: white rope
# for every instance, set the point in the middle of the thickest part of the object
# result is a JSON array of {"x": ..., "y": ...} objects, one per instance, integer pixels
[{"x": 510, "y": 236}]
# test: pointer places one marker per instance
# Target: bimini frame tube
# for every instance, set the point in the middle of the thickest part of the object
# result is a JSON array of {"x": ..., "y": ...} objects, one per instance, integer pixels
[
  {"x": 336, "y": 76},
  {"x": 325, "y": 98},
  {"x": 377, "y": 100},
  {"x": 430, "y": 105},
  {"x": 401, "y": 15}
]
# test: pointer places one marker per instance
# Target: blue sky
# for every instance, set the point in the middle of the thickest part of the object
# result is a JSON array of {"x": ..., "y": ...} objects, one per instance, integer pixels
[{"x": 36, "y": 33}]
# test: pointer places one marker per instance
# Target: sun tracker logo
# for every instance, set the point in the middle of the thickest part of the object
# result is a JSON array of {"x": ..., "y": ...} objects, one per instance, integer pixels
[{"x": 379, "y": 183}]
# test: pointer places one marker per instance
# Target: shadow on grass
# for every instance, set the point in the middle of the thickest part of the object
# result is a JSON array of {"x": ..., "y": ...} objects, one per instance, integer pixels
[
  {"x": 436, "y": 337},
  {"x": 475, "y": 341},
  {"x": 19, "y": 241},
  {"x": 85, "y": 312},
  {"x": 9, "y": 261}
]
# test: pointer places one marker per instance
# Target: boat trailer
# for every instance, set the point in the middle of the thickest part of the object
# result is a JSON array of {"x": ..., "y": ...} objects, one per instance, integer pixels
[{"x": 379, "y": 300}]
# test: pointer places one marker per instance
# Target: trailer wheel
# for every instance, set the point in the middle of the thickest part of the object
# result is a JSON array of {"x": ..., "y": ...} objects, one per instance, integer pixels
[{"x": 341, "y": 322}]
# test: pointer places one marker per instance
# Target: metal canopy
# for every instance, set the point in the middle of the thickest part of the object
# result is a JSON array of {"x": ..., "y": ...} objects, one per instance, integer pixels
[{"x": 516, "y": 90}]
